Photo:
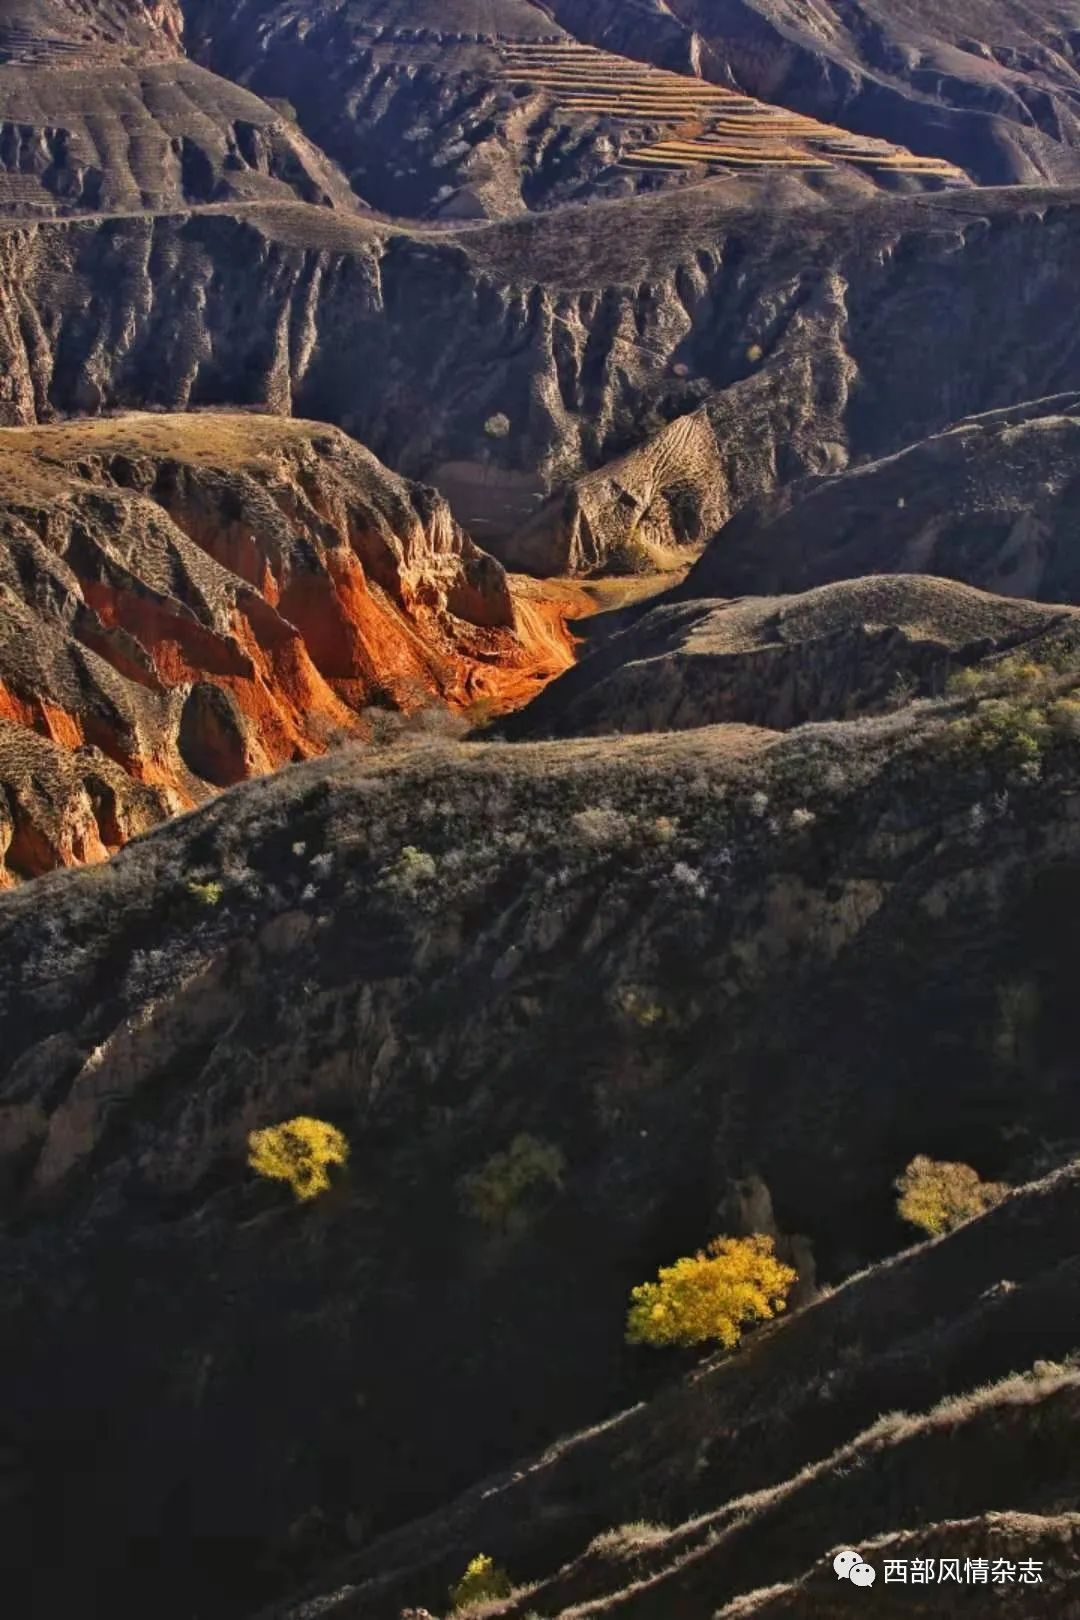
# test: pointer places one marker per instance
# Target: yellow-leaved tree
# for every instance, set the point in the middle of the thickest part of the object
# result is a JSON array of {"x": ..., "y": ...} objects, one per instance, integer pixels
[
  {"x": 483, "y": 1579},
  {"x": 298, "y": 1151},
  {"x": 938, "y": 1196},
  {"x": 712, "y": 1296}
]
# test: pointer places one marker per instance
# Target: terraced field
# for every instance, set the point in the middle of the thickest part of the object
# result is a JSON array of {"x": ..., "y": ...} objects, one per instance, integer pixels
[{"x": 701, "y": 125}]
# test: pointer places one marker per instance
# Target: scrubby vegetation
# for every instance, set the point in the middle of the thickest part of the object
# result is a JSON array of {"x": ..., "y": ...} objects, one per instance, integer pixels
[
  {"x": 629, "y": 1537},
  {"x": 496, "y": 1193},
  {"x": 1022, "y": 704},
  {"x": 938, "y": 1196},
  {"x": 711, "y": 1297},
  {"x": 299, "y": 1151},
  {"x": 206, "y": 894}
]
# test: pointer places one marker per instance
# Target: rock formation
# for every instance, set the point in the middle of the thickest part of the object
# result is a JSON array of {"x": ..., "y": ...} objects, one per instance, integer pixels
[{"x": 587, "y": 333}]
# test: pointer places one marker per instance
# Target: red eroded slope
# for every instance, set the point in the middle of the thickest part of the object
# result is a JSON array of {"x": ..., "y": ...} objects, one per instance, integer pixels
[{"x": 189, "y": 601}]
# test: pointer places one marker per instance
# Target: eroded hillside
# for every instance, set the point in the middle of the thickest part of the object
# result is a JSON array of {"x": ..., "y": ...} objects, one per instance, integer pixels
[
  {"x": 756, "y": 904},
  {"x": 482, "y": 110},
  {"x": 501, "y": 363},
  {"x": 992, "y": 86},
  {"x": 994, "y": 501},
  {"x": 861, "y": 647},
  {"x": 189, "y": 601}
]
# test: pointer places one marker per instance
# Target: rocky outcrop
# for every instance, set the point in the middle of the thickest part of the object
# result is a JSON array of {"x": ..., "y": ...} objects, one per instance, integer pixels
[
  {"x": 681, "y": 959},
  {"x": 201, "y": 599},
  {"x": 860, "y": 647},
  {"x": 993, "y": 500}
]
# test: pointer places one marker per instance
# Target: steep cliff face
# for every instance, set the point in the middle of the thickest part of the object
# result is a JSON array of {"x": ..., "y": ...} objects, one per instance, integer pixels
[
  {"x": 683, "y": 960},
  {"x": 994, "y": 500},
  {"x": 191, "y": 601},
  {"x": 504, "y": 361}
]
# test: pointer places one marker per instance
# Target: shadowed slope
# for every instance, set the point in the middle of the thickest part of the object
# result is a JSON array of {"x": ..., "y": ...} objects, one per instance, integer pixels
[
  {"x": 994, "y": 500},
  {"x": 684, "y": 960}
]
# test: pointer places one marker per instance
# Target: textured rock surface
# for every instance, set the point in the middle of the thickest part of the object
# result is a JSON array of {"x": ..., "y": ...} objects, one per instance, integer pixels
[
  {"x": 828, "y": 654},
  {"x": 994, "y": 500},
  {"x": 204, "y": 598}
]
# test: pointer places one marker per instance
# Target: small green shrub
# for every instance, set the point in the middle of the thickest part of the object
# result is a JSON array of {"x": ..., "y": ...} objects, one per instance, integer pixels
[
  {"x": 412, "y": 872},
  {"x": 206, "y": 894},
  {"x": 1014, "y": 732},
  {"x": 495, "y": 1193},
  {"x": 482, "y": 1581},
  {"x": 640, "y": 1006}
]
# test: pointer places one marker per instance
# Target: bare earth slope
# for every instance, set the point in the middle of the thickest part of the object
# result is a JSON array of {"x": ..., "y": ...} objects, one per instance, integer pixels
[
  {"x": 485, "y": 109},
  {"x": 188, "y": 601},
  {"x": 100, "y": 110},
  {"x": 126, "y": 137}
]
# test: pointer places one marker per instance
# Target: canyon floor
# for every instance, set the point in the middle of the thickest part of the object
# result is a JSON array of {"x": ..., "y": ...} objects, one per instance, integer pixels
[{"x": 539, "y": 624}]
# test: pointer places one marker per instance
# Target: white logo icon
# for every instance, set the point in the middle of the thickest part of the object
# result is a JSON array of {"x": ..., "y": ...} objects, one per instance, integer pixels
[{"x": 849, "y": 1566}]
